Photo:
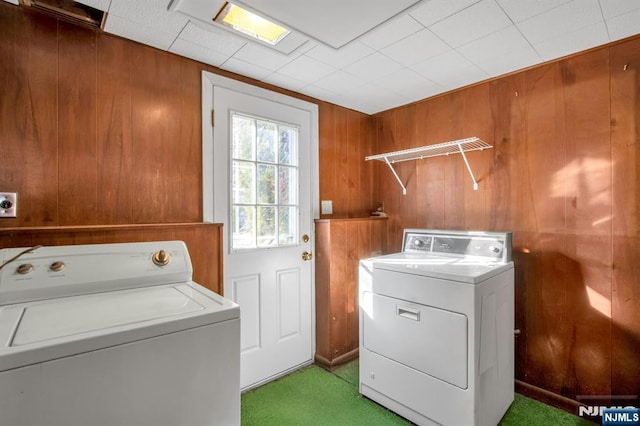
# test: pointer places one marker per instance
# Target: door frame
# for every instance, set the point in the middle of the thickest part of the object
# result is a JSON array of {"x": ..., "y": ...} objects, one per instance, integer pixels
[
  {"x": 209, "y": 80},
  {"x": 210, "y": 192}
]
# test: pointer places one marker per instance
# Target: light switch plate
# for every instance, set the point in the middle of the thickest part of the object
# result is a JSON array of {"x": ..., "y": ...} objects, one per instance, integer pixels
[
  {"x": 8, "y": 204},
  {"x": 327, "y": 207}
]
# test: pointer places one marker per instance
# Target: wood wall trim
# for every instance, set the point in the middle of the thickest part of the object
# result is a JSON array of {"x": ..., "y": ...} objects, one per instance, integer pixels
[
  {"x": 329, "y": 364},
  {"x": 542, "y": 395},
  {"x": 97, "y": 228},
  {"x": 351, "y": 219}
]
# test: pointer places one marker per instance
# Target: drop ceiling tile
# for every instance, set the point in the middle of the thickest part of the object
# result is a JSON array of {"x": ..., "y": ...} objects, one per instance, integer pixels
[
  {"x": 390, "y": 32},
  {"x": 471, "y": 23},
  {"x": 244, "y": 68},
  {"x": 263, "y": 56},
  {"x": 141, "y": 33},
  {"x": 96, "y": 4},
  {"x": 519, "y": 10},
  {"x": 338, "y": 82},
  {"x": 624, "y": 25},
  {"x": 334, "y": 22},
  {"x": 319, "y": 93},
  {"x": 501, "y": 52},
  {"x": 416, "y": 48},
  {"x": 285, "y": 82},
  {"x": 306, "y": 69},
  {"x": 517, "y": 60},
  {"x": 152, "y": 14},
  {"x": 190, "y": 50},
  {"x": 373, "y": 67},
  {"x": 584, "y": 38},
  {"x": 406, "y": 82},
  {"x": 424, "y": 92},
  {"x": 307, "y": 46},
  {"x": 388, "y": 99},
  {"x": 562, "y": 20},
  {"x": 612, "y": 8},
  {"x": 370, "y": 99},
  {"x": 212, "y": 38},
  {"x": 436, "y": 10},
  {"x": 342, "y": 57},
  {"x": 450, "y": 70}
]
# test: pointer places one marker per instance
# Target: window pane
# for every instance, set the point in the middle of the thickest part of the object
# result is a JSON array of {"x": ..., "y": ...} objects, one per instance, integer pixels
[
  {"x": 243, "y": 225},
  {"x": 287, "y": 185},
  {"x": 244, "y": 137},
  {"x": 266, "y": 184},
  {"x": 267, "y": 137},
  {"x": 244, "y": 178},
  {"x": 288, "y": 145},
  {"x": 287, "y": 225},
  {"x": 267, "y": 227}
]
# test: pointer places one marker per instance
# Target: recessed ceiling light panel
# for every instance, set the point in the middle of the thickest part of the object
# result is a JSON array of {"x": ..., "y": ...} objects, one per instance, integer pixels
[{"x": 250, "y": 24}]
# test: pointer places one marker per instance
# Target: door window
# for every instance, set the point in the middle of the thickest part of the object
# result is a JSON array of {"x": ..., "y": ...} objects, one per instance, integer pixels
[{"x": 264, "y": 183}]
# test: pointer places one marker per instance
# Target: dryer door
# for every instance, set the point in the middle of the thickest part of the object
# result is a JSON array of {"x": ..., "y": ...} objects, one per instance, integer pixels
[{"x": 430, "y": 340}]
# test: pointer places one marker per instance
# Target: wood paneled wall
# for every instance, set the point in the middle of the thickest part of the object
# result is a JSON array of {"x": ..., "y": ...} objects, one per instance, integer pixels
[
  {"x": 100, "y": 130},
  {"x": 96, "y": 131},
  {"x": 346, "y": 137},
  {"x": 340, "y": 244},
  {"x": 564, "y": 177}
]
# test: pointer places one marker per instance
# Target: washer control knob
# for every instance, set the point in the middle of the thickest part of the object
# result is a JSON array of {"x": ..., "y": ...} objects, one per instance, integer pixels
[
  {"x": 161, "y": 258},
  {"x": 494, "y": 249},
  {"x": 24, "y": 269},
  {"x": 57, "y": 266},
  {"x": 418, "y": 243}
]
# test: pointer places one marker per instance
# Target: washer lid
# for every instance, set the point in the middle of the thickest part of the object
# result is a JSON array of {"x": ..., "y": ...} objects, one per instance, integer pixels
[
  {"x": 46, "y": 330},
  {"x": 69, "y": 316}
]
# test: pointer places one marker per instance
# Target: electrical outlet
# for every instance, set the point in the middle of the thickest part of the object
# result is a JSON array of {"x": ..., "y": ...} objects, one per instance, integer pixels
[{"x": 8, "y": 204}]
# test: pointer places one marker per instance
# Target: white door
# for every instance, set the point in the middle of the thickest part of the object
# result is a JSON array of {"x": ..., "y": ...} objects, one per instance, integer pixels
[{"x": 263, "y": 190}]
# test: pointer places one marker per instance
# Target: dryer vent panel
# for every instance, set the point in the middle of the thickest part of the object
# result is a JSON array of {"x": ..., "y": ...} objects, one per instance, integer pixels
[{"x": 69, "y": 10}]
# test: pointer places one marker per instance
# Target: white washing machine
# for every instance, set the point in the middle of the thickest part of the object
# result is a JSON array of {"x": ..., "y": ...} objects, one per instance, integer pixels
[
  {"x": 436, "y": 327},
  {"x": 114, "y": 334}
]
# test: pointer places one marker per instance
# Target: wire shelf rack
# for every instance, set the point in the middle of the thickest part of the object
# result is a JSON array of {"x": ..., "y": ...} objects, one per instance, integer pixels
[{"x": 460, "y": 146}]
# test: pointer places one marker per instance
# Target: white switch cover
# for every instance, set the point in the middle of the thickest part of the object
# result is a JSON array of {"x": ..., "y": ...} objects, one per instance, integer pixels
[{"x": 327, "y": 206}]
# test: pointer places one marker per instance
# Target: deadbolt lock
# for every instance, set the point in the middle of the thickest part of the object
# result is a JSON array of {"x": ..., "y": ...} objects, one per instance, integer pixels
[
  {"x": 305, "y": 238},
  {"x": 306, "y": 255}
]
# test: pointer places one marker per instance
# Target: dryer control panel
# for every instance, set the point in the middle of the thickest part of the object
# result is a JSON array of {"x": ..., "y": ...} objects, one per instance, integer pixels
[{"x": 489, "y": 245}]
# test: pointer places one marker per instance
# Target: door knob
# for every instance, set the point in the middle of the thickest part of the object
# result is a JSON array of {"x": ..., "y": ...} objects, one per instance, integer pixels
[{"x": 306, "y": 255}]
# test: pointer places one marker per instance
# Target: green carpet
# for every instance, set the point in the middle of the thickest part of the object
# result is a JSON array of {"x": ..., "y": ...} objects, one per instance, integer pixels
[{"x": 313, "y": 396}]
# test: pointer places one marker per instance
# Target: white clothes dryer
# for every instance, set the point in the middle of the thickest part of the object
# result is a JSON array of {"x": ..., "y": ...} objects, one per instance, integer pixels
[
  {"x": 114, "y": 334},
  {"x": 436, "y": 327}
]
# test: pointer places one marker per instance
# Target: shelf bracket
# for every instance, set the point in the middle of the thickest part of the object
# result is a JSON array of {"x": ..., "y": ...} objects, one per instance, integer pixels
[
  {"x": 404, "y": 188},
  {"x": 473, "y": 178}
]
